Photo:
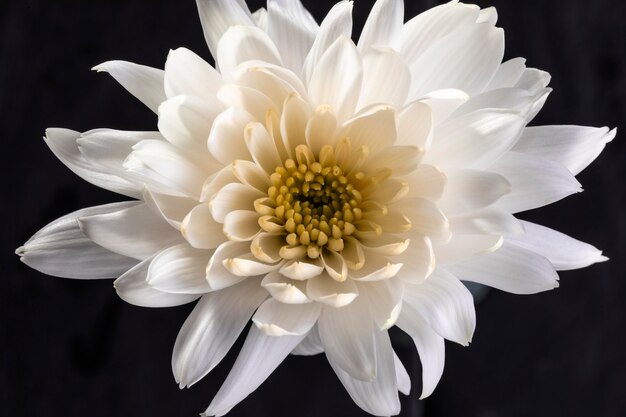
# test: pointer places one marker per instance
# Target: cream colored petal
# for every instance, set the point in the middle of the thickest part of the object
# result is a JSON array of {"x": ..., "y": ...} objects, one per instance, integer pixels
[
  {"x": 385, "y": 301},
  {"x": 303, "y": 269},
  {"x": 353, "y": 253},
  {"x": 402, "y": 160},
  {"x": 388, "y": 191},
  {"x": 241, "y": 225},
  {"x": 217, "y": 274},
  {"x": 253, "y": 101},
  {"x": 418, "y": 260},
  {"x": 293, "y": 122},
  {"x": 247, "y": 266},
  {"x": 234, "y": 196},
  {"x": 335, "y": 265},
  {"x": 251, "y": 174},
  {"x": 385, "y": 244},
  {"x": 280, "y": 319},
  {"x": 284, "y": 289},
  {"x": 200, "y": 228},
  {"x": 216, "y": 182},
  {"x": 377, "y": 268},
  {"x": 266, "y": 247},
  {"x": 427, "y": 182},
  {"x": 427, "y": 219},
  {"x": 226, "y": 138},
  {"x": 464, "y": 247},
  {"x": 321, "y": 130},
  {"x": 273, "y": 81},
  {"x": 415, "y": 125},
  {"x": 326, "y": 290},
  {"x": 173, "y": 209},
  {"x": 262, "y": 147},
  {"x": 374, "y": 128}
]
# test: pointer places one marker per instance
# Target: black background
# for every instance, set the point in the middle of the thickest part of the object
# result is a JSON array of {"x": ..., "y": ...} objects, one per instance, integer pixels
[{"x": 71, "y": 348}]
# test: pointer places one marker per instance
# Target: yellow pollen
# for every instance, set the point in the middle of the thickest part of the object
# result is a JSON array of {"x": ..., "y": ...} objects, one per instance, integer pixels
[{"x": 316, "y": 201}]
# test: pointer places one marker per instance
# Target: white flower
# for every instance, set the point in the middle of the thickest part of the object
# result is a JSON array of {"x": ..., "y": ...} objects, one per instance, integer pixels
[{"x": 327, "y": 190}]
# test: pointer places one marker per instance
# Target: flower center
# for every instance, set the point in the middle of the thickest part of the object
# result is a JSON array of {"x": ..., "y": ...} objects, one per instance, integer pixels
[{"x": 317, "y": 203}]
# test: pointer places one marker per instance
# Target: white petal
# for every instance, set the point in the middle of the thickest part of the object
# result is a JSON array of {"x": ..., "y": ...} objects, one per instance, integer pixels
[
  {"x": 425, "y": 29},
  {"x": 293, "y": 30},
  {"x": 185, "y": 121},
  {"x": 426, "y": 218},
  {"x": 466, "y": 60},
  {"x": 402, "y": 160},
  {"x": 326, "y": 290},
  {"x": 245, "y": 43},
  {"x": 385, "y": 301},
  {"x": 445, "y": 303},
  {"x": 562, "y": 251},
  {"x": 486, "y": 221},
  {"x": 444, "y": 103},
  {"x": 510, "y": 268},
  {"x": 383, "y": 26},
  {"x": 522, "y": 101},
  {"x": 475, "y": 140},
  {"x": 143, "y": 82},
  {"x": 266, "y": 247},
  {"x": 260, "y": 18},
  {"x": 335, "y": 265},
  {"x": 418, "y": 260},
  {"x": 336, "y": 79},
  {"x": 241, "y": 225},
  {"x": 61, "y": 249},
  {"x": 337, "y": 22},
  {"x": 430, "y": 346},
  {"x": 463, "y": 247},
  {"x": 311, "y": 345},
  {"x": 168, "y": 166},
  {"x": 321, "y": 129},
  {"x": 133, "y": 288},
  {"x": 285, "y": 290},
  {"x": 380, "y": 396},
  {"x": 250, "y": 99},
  {"x": 234, "y": 196},
  {"x": 173, "y": 209},
  {"x": 133, "y": 231},
  {"x": 65, "y": 146},
  {"x": 428, "y": 182},
  {"x": 575, "y": 147},
  {"x": 188, "y": 74},
  {"x": 212, "y": 328},
  {"x": 217, "y": 16},
  {"x": 251, "y": 174},
  {"x": 201, "y": 230},
  {"x": 376, "y": 268},
  {"x": 508, "y": 74},
  {"x": 247, "y": 265},
  {"x": 469, "y": 190},
  {"x": 226, "y": 140},
  {"x": 415, "y": 125},
  {"x": 386, "y": 78},
  {"x": 262, "y": 147},
  {"x": 374, "y": 128},
  {"x": 293, "y": 122},
  {"x": 180, "y": 269},
  {"x": 348, "y": 336},
  {"x": 259, "y": 356},
  {"x": 402, "y": 376},
  {"x": 280, "y": 319},
  {"x": 535, "y": 182}
]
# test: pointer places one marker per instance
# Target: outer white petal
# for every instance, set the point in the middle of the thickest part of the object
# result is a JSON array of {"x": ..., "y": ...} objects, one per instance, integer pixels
[
  {"x": 143, "y": 82},
  {"x": 445, "y": 304},
  {"x": 491, "y": 221},
  {"x": 132, "y": 231},
  {"x": 260, "y": 18},
  {"x": 326, "y": 290},
  {"x": 574, "y": 147},
  {"x": 201, "y": 230},
  {"x": 280, "y": 319},
  {"x": 383, "y": 26},
  {"x": 180, "y": 269},
  {"x": 293, "y": 30},
  {"x": 302, "y": 269},
  {"x": 245, "y": 43},
  {"x": 212, "y": 328},
  {"x": 234, "y": 196},
  {"x": 563, "y": 251},
  {"x": 133, "y": 288},
  {"x": 415, "y": 125},
  {"x": 64, "y": 143},
  {"x": 430, "y": 347},
  {"x": 425, "y": 29},
  {"x": 475, "y": 140},
  {"x": 348, "y": 336},
  {"x": 418, "y": 260},
  {"x": 310, "y": 345},
  {"x": 173, "y": 209},
  {"x": 402, "y": 376},
  {"x": 337, "y": 22},
  {"x": 385, "y": 300},
  {"x": 188, "y": 74},
  {"x": 508, "y": 74},
  {"x": 468, "y": 190},
  {"x": 510, "y": 268},
  {"x": 336, "y": 79},
  {"x": 463, "y": 247},
  {"x": 466, "y": 59},
  {"x": 61, "y": 249},
  {"x": 444, "y": 103},
  {"x": 217, "y": 274},
  {"x": 226, "y": 140},
  {"x": 535, "y": 181},
  {"x": 259, "y": 356},
  {"x": 380, "y": 396},
  {"x": 217, "y": 16}
]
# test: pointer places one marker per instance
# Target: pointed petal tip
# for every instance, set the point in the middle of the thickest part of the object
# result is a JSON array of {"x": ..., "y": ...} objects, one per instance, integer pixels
[{"x": 20, "y": 251}]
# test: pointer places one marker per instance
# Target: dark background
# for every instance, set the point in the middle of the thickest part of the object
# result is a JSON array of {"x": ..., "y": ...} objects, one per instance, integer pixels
[{"x": 71, "y": 348}]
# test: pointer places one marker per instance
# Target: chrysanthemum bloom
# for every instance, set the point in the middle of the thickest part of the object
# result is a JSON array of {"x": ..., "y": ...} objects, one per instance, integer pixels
[{"x": 328, "y": 190}]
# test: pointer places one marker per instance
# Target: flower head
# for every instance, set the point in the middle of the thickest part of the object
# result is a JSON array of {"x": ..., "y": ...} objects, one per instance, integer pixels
[{"x": 326, "y": 190}]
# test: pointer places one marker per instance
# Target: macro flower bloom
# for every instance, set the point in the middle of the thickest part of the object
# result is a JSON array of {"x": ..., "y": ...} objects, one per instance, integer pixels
[{"x": 326, "y": 190}]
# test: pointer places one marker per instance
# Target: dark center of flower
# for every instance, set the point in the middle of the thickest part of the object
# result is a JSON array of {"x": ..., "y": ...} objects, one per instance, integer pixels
[{"x": 317, "y": 204}]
